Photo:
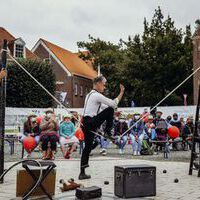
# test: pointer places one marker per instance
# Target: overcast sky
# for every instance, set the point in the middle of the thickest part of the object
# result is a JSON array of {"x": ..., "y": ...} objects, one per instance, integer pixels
[{"x": 64, "y": 22}]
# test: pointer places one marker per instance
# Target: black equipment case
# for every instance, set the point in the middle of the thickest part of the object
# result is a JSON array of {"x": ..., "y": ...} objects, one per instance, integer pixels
[
  {"x": 88, "y": 193},
  {"x": 135, "y": 181}
]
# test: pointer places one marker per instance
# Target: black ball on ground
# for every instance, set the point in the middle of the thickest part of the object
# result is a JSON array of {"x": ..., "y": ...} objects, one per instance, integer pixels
[
  {"x": 106, "y": 182},
  {"x": 176, "y": 180},
  {"x": 61, "y": 181},
  {"x": 164, "y": 171}
]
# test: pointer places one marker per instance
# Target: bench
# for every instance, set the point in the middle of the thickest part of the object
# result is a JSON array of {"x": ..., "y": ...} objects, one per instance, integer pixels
[{"x": 11, "y": 138}]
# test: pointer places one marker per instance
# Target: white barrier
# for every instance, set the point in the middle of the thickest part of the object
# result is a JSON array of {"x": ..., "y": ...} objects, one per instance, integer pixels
[{"x": 16, "y": 116}]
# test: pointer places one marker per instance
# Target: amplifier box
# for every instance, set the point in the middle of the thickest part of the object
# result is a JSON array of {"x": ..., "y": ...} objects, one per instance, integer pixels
[
  {"x": 135, "y": 181},
  {"x": 88, "y": 193}
]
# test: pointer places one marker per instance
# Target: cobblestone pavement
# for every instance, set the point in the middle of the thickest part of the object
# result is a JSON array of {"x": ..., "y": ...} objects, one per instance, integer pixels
[
  {"x": 102, "y": 168},
  {"x": 183, "y": 156}
]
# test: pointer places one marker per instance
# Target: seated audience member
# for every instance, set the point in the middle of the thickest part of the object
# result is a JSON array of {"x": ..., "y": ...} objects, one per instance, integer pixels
[
  {"x": 49, "y": 135},
  {"x": 168, "y": 119},
  {"x": 187, "y": 133},
  {"x": 67, "y": 136},
  {"x": 161, "y": 130},
  {"x": 145, "y": 115},
  {"x": 120, "y": 127},
  {"x": 175, "y": 121},
  {"x": 151, "y": 128},
  {"x": 137, "y": 133},
  {"x": 75, "y": 119},
  {"x": 31, "y": 128}
]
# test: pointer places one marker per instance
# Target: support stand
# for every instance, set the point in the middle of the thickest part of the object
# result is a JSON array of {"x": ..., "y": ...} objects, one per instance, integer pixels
[
  {"x": 195, "y": 153},
  {"x": 2, "y": 108}
]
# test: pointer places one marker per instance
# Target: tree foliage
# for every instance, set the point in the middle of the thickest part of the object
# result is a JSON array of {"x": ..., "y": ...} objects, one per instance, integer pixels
[
  {"x": 149, "y": 65},
  {"x": 23, "y": 91}
]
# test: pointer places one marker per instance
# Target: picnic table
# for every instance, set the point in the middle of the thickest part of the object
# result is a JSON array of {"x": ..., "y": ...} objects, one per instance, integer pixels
[{"x": 11, "y": 138}]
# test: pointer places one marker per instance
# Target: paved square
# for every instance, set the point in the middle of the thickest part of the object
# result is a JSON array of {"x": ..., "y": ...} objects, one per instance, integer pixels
[{"x": 102, "y": 168}]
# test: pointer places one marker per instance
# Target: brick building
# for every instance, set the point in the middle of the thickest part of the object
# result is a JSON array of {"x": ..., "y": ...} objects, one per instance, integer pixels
[
  {"x": 73, "y": 75},
  {"x": 196, "y": 62}
]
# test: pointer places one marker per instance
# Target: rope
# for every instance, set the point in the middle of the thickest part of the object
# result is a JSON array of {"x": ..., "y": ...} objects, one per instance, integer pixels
[
  {"x": 161, "y": 101},
  {"x": 49, "y": 93}
]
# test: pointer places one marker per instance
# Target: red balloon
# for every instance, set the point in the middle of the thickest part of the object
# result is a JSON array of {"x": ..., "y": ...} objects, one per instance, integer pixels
[
  {"x": 173, "y": 132},
  {"x": 39, "y": 119},
  {"x": 29, "y": 143},
  {"x": 79, "y": 134}
]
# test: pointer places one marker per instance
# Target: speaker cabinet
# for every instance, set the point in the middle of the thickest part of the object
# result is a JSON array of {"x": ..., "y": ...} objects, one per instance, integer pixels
[{"x": 135, "y": 181}]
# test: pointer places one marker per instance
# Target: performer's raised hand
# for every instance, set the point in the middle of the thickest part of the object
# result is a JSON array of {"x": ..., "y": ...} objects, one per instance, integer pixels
[{"x": 122, "y": 88}]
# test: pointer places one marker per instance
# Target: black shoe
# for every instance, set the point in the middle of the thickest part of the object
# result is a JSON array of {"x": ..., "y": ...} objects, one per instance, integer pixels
[{"x": 84, "y": 176}]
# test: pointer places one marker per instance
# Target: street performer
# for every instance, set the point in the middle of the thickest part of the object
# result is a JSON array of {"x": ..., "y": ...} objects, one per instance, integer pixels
[{"x": 97, "y": 110}]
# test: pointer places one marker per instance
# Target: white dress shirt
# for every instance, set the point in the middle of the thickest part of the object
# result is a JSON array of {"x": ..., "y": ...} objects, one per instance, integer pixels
[{"x": 95, "y": 101}]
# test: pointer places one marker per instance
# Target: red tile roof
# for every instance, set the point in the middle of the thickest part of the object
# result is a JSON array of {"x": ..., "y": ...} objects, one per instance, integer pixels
[
  {"x": 5, "y": 35},
  {"x": 71, "y": 61},
  {"x": 85, "y": 53}
]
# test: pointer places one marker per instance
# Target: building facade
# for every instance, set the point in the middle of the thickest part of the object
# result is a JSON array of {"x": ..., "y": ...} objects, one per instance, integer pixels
[{"x": 73, "y": 75}]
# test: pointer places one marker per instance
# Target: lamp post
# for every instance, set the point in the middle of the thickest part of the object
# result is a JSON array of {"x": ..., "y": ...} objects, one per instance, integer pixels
[
  {"x": 185, "y": 99},
  {"x": 2, "y": 108}
]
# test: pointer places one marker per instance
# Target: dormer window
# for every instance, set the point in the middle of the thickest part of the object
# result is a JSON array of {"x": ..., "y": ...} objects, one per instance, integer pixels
[
  {"x": 19, "y": 48},
  {"x": 19, "y": 51}
]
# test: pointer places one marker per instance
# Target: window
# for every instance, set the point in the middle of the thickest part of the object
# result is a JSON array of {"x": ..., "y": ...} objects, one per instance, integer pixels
[
  {"x": 81, "y": 93},
  {"x": 19, "y": 51},
  {"x": 76, "y": 89}
]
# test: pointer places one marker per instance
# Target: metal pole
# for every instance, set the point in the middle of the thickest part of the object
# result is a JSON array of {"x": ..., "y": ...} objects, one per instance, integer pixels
[
  {"x": 2, "y": 108},
  {"x": 193, "y": 151}
]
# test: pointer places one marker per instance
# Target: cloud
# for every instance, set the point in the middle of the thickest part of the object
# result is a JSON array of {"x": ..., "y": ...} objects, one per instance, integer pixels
[{"x": 64, "y": 22}]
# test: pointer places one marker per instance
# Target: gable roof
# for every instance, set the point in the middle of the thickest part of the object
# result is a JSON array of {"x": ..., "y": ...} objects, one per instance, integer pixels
[
  {"x": 71, "y": 61},
  {"x": 85, "y": 53},
  {"x": 5, "y": 35}
]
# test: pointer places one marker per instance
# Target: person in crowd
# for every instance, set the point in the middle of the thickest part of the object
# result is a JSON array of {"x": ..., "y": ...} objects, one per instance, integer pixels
[
  {"x": 187, "y": 133},
  {"x": 104, "y": 143},
  {"x": 75, "y": 119},
  {"x": 150, "y": 126},
  {"x": 137, "y": 133},
  {"x": 175, "y": 121},
  {"x": 31, "y": 128},
  {"x": 145, "y": 115},
  {"x": 49, "y": 135},
  {"x": 161, "y": 130},
  {"x": 120, "y": 128},
  {"x": 168, "y": 119},
  {"x": 67, "y": 131},
  {"x": 182, "y": 125}
]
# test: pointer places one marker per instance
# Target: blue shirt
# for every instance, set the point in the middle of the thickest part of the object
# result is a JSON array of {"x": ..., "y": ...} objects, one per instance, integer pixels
[{"x": 67, "y": 129}]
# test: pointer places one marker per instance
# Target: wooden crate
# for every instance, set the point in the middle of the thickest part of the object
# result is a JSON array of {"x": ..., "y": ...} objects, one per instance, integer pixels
[{"x": 25, "y": 182}]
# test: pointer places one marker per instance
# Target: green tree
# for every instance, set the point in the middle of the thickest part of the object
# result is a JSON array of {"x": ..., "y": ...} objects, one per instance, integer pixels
[
  {"x": 150, "y": 65},
  {"x": 22, "y": 91},
  {"x": 108, "y": 56},
  {"x": 163, "y": 58}
]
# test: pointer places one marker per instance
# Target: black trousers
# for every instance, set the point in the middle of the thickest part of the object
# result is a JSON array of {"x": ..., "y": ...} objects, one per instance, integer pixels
[
  {"x": 46, "y": 139},
  {"x": 91, "y": 124}
]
